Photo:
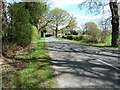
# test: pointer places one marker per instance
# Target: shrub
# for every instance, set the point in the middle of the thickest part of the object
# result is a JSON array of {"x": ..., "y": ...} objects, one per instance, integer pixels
[
  {"x": 24, "y": 36},
  {"x": 67, "y": 34},
  {"x": 35, "y": 34},
  {"x": 20, "y": 30},
  {"x": 74, "y": 32},
  {"x": 89, "y": 38},
  {"x": 78, "y": 37},
  {"x": 105, "y": 35},
  {"x": 75, "y": 38},
  {"x": 70, "y": 37},
  {"x": 63, "y": 36},
  {"x": 48, "y": 35},
  {"x": 20, "y": 36}
]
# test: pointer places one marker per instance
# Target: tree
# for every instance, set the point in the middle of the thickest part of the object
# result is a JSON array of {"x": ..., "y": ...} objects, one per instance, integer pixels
[
  {"x": 44, "y": 23},
  {"x": 73, "y": 32},
  {"x": 36, "y": 10},
  {"x": 38, "y": 18},
  {"x": 61, "y": 20},
  {"x": 4, "y": 17},
  {"x": 104, "y": 35},
  {"x": 21, "y": 17},
  {"x": 95, "y": 5},
  {"x": 114, "y": 22},
  {"x": 20, "y": 29},
  {"x": 93, "y": 31}
]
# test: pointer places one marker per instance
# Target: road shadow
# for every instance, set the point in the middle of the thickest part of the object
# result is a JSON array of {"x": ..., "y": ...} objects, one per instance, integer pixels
[{"x": 88, "y": 68}]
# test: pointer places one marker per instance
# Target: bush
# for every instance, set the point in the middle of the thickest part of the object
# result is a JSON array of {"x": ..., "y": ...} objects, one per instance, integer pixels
[
  {"x": 21, "y": 36},
  {"x": 65, "y": 37},
  {"x": 105, "y": 35},
  {"x": 78, "y": 37},
  {"x": 70, "y": 37},
  {"x": 75, "y": 38},
  {"x": 35, "y": 34},
  {"x": 24, "y": 36},
  {"x": 89, "y": 38},
  {"x": 67, "y": 34},
  {"x": 48, "y": 35},
  {"x": 20, "y": 30}
]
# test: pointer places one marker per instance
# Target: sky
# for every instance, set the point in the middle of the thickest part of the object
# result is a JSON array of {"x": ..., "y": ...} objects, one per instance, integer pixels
[{"x": 71, "y": 6}]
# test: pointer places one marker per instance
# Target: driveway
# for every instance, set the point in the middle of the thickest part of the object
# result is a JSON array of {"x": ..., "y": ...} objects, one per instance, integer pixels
[{"x": 80, "y": 66}]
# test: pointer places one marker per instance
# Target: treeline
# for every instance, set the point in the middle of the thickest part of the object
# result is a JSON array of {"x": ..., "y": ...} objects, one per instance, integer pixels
[
  {"x": 94, "y": 34},
  {"x": 90, "y": 34},
  {"x": 27, "y": 21}
]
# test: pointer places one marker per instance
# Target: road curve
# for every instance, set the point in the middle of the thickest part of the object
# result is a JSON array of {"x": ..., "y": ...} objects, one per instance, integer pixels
[{"x": 79, "y": 66}]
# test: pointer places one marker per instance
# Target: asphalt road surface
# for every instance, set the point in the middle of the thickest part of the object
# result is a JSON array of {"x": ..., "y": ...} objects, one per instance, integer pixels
[{"x": 80, "y": 66}]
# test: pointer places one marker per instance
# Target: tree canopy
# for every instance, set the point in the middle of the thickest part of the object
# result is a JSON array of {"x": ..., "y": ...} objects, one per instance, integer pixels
[
  {"x": 61, "y": 20},
  {"x": 93, "y": 30},
  {"x": 21, "y": 17}
]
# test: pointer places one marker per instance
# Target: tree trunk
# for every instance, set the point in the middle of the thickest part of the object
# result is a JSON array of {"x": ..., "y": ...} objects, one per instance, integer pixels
[
  {"x": 115, "y": 23},
  {"x": 53, "y": 33},
  {"x": 39, "y": 34},
  {"x": 42, "y": 33},
  {"x": 56, "y": 31},
  {"x": 4, "y": 18}
]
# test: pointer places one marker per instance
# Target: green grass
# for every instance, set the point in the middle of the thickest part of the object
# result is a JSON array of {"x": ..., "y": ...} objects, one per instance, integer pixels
[
  {"x": 34, "y": 69},
  {"x": 94, "y": 45}
]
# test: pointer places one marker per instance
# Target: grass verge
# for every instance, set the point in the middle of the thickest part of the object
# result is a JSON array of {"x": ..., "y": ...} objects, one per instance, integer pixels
[
  {"x": 94, "y": 45},
  {"x": 31, "y": 68}
]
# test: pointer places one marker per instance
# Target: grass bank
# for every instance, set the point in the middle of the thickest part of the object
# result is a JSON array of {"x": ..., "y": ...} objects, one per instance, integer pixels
[
  {"x": 94, "y": 45},
  {"x": 30, "y": 68}
]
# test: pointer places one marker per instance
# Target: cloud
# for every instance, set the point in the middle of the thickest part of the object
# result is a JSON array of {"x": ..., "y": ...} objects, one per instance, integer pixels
[
  {"x": 60, "y": 3},
  {"x": 81, "y": 17},
  {"x": 101, "y": 16},
  {"x": 105, "y": 8}
]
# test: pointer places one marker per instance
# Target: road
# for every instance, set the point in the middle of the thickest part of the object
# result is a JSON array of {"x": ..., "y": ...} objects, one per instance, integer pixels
[{"x": 80, "y": 66}]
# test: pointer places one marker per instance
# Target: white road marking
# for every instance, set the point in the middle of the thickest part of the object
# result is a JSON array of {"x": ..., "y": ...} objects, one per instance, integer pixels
[{"x": 108, "y": 64}]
